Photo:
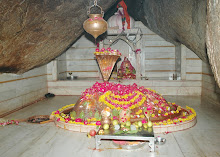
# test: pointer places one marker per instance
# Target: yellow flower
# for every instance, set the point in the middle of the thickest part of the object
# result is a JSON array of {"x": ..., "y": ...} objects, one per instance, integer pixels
[
  {"x": 156, "y": 123},
  {"x": 170, "y": 122},
  {"x": 53, "y": 113},
  {"x": 153, "y": 115},
  {"x": 93, "y": 119},
  {"x": 142, "y": 116},
  {"x": 57, "y": 115},
  {"x": 175, "y": 120},
  {"x": 156, "y": 101},
  {"x": 62, "y": 119}
]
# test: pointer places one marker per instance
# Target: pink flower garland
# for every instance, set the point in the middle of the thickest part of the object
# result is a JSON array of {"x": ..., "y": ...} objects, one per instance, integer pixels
[{"x": 9, "y": 122}]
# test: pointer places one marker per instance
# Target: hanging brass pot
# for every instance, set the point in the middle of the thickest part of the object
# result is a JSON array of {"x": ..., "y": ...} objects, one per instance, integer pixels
[{"x": 95, "y": 24}]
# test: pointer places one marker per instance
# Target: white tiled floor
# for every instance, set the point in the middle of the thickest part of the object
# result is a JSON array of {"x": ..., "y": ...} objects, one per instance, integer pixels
[{"x": 46, "y": 140}]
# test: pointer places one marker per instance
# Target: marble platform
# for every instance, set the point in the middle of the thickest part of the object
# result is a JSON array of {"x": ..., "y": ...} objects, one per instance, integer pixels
[{"x": 47, "y": 140}]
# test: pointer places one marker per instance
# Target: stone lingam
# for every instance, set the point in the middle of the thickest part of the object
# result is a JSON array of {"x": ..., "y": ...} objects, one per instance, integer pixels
[{"x": 109, "y": 103}]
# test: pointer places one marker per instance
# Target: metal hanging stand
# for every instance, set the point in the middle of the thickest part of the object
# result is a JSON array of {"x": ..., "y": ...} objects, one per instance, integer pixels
[{"x": 95, "y": 5}]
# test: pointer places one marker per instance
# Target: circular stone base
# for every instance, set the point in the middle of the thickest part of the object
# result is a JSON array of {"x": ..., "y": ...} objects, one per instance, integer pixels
[
  {"x": 75, "y": 127},
  {"x": 174, "y": 127},
  {"x": 157, "y": 128}
]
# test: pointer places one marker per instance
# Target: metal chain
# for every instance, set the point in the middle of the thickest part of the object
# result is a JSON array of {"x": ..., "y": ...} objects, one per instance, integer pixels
[{"x": 95, "y": 2}]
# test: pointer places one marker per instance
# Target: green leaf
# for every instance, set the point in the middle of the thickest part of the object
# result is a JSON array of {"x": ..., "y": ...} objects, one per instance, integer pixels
[
  {"x": 128, "y": 111},
  {"x": 73, "y": 114},
  {"x": 82, "y": 115},
  {"x": 90, "y": 113},
  {"x": 134, "y": 72},
  {"x": 119, "y": 132},
  {"x": 132, "y": 131},
  {"x": 96, "y": 115},
  {"x": 115, "y": 112},
  {"x": 111, "y": 116}
]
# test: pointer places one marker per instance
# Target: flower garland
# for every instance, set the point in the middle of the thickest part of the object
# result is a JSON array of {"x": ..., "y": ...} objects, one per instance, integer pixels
[
  {"x": 4, "y": 122},
  {"x": 179, "y": 120},
  {"x": 79, "y": 121},
  {"x": 131, "y": 100},
  {"x": 107, "y": 51}
]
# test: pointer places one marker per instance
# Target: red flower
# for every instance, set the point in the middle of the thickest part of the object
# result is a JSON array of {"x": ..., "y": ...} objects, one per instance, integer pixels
[
  {"x": 78, "y": 120},
  {"x": 144, "y": 121},
  {"x": 98, "y": 123}
]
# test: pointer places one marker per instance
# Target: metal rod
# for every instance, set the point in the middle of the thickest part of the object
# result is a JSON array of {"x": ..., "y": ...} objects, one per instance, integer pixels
[{"x": 95, "y": 2}]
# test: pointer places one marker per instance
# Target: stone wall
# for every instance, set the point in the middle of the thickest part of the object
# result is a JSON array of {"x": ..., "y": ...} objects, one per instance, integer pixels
[
  {"x": 62, "y": 67},
  {"x": 159, "y": 61},
  {"x": 191, "y": 65},
  {"x": 158, "y": 54},
  {"x": 17, "y": 91},
  {"x": 79, "y": 60},
  {"x": 157, "y": 57}
]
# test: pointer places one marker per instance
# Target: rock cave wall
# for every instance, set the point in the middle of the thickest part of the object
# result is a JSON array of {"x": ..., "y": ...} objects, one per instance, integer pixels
[{"x": 32, "y": 33}]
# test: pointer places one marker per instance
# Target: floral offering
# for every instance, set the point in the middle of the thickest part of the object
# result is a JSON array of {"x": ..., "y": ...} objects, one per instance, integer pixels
[
  {"x": 107, "y": 51},
  {"x": 106, "y": 102}
]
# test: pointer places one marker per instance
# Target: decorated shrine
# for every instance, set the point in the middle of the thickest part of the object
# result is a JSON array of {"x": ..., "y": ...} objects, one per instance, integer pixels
[
  {"x": 85, "y": 78},
  {"x": 125, "y": 103},
  {"x": 126, "y": 70},
  {"x": 118, "y": 107},
  {"x": 113, "y": 105}
]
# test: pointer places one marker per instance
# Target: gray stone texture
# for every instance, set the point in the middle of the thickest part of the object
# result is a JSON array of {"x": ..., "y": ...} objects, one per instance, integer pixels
[
  {"x": 213, "y": 37},
  {"x": 33, "y": 33}
]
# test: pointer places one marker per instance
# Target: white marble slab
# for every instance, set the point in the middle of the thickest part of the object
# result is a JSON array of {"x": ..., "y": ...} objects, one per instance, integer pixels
[{"x": 196, "y": 77}]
